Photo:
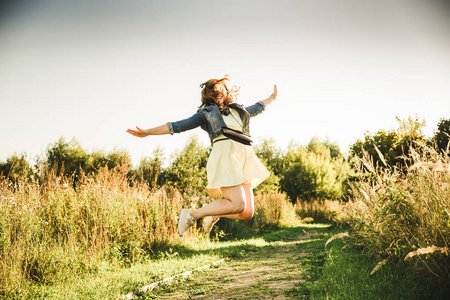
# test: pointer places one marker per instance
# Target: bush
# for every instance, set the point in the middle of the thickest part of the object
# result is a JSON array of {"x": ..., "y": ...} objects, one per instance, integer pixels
[{"x": 313, "y": 174}]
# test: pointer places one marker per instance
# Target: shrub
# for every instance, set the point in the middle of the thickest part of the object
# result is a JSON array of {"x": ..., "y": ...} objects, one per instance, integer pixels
[{"x": 313, "y": 174}]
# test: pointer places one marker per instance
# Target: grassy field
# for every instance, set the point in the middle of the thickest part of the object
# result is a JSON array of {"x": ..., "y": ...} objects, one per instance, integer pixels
[
  {"x": 297, "y": 262},
  {"x": 286, "y": 263}
]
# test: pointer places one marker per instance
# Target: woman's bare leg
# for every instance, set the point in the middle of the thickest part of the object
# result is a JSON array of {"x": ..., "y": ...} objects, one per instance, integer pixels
[
  {"x": 237, "y": 204},
  {"x": 250, "y": 205}
]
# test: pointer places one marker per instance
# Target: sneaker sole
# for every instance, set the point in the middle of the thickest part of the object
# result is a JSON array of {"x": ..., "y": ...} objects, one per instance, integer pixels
[{"x": 183, "y": 215}]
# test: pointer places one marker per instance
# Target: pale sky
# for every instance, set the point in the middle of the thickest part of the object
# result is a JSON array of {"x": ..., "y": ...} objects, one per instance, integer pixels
[{"x": 91, "y": 69}]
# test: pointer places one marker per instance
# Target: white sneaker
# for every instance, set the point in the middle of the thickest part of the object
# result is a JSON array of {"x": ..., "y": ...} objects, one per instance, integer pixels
[
  {"x": 208, "y": 223},
  {"x": 185, "y": 221}
]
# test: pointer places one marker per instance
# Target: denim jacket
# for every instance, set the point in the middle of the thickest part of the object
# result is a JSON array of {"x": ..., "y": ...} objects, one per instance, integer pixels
[{"x": 210, "y": 119}]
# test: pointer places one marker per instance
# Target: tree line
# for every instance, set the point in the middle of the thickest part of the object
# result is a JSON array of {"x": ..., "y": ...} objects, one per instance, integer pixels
[{"x": 318, "y": 170}]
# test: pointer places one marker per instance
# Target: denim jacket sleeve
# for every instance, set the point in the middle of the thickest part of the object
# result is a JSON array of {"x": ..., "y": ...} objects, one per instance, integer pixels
[
  {"x": 256, "y": 108},
  {"x": 187, "y": 124}
]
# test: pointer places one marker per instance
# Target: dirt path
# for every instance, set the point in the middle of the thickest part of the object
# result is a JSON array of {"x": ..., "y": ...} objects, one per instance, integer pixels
[{"x": 271, "y": 271}]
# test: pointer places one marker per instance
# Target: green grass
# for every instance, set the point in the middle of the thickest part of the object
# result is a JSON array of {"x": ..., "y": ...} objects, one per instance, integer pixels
[{"x": 345, "y": 274}]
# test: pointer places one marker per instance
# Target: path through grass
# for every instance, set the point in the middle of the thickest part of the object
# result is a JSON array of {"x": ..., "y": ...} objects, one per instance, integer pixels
[{"x": 278, "y": 266}]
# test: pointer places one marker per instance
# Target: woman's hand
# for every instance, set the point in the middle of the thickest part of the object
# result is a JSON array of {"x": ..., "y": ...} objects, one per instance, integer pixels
[
  {"x": 163, "y": 129},
  {"x": 139, "y": 132},
  {"x": 275, "y": 92},
  {"x": 272, "y": 97}
]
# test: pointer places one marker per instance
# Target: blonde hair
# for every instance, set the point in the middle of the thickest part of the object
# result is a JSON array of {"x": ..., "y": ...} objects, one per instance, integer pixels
[{"x": 209, "y": 95}]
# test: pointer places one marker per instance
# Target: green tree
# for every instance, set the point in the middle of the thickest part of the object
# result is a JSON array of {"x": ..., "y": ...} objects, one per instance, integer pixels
[
  {"x": 316, "y": 143},
  {"x": 70, "y": 159},
  {"x": 187, "y": 171},
  {"x": 442, "y": 135},
  {"x": 270, "y": 154},
  {"x": 272, "y": 157},
  {"x": 385, "y": 141},
  {"x": 393, "y": 144},
  {"x": 99, "y": 159},
  {"x": 15, "y": 167},
  {"x": 66, "y": 158},
  {"x": 151, "y": 168}
]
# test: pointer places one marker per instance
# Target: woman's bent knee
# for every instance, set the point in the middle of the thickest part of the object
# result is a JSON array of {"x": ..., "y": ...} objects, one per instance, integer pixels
[
  {"x": 238, "y": 208},
  {"x": 247, "y": 214}
]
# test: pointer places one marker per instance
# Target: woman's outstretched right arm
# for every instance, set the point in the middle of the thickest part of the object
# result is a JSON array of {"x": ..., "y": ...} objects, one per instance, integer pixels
[{"x": 163, "y": 129}]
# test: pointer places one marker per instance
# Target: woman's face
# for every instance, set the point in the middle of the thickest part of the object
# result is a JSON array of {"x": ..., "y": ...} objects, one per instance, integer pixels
[{"x": 221, "y": 93}]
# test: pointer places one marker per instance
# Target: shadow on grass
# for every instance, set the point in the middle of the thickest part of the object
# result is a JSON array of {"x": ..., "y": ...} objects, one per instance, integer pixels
[{"x": 310, "y": 233}]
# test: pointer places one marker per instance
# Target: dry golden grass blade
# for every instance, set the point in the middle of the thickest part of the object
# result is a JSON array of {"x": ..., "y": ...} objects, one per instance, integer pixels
[
  {"x": 337, "y": 236},
  {"x": 366, "y": 196},
  {"x": 379, "y": 265},
  {"x": 381, "y": 156},
  {"x": 427, "y": 250},
  {"x": 368, "y": 166}
]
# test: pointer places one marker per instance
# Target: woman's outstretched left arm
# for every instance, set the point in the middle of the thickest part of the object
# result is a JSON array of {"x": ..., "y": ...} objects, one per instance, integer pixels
[{"x": 260, "y": 106}]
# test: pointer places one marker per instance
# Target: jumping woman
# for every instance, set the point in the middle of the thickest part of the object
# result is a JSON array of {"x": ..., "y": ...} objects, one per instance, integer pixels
[{"x": 233, "y": 169}]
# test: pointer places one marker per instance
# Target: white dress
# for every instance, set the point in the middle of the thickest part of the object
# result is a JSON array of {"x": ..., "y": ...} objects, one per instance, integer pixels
[{"x": 232, "y": 163}]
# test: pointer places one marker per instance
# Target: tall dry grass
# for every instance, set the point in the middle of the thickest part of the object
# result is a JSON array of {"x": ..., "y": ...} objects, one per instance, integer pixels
[
  {"x": 395, "y": 212},
  {"x": 53, "y": 231}
]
